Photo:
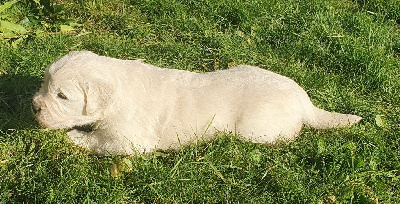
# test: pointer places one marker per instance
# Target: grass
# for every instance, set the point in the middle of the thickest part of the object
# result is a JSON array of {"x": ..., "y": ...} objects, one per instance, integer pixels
[{"x": 344, "y": 53}]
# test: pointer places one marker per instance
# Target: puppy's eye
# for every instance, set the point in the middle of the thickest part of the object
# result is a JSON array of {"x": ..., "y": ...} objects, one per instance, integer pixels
[{"x": 62, "y": 96}]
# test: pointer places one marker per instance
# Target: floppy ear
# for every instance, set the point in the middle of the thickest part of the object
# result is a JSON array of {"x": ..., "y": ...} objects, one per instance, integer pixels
[{"x": 99, "y": 95}]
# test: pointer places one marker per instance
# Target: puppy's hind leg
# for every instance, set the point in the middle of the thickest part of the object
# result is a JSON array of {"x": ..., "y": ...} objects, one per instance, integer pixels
[{"x": 269, "y": 126}]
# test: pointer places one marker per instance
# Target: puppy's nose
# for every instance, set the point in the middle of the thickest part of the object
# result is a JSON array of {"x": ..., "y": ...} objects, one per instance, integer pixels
[{"x": 35, "y": 109}]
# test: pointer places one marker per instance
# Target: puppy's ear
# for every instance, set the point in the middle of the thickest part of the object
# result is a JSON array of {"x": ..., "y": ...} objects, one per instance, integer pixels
[{"x": 99, "y": 95}]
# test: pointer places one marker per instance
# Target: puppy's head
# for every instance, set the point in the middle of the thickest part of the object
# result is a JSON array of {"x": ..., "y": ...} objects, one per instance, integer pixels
[{"x": 76, "y": 91}]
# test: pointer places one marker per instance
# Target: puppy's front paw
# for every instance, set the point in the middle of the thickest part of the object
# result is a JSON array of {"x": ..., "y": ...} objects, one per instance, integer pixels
[{"x": 78, "y": 137}]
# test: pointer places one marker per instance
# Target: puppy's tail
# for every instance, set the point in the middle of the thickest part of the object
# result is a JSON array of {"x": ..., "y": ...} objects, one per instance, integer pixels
[{"x": 322, "y": 119}]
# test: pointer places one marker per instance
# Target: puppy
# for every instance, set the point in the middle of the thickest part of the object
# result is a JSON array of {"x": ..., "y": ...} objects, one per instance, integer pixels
[{"x": 133, "y": 107}]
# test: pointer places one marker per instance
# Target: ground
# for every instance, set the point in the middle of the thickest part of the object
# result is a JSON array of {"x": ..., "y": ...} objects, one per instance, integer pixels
[{"x": 345, "y": 54}]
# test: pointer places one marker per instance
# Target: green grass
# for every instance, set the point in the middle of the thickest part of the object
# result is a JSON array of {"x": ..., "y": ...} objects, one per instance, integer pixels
[{"x": 344, "y": 53}]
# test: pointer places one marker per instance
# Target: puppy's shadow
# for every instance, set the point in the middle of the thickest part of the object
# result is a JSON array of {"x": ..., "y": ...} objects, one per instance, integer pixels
[{"x": 16, "y": 93}]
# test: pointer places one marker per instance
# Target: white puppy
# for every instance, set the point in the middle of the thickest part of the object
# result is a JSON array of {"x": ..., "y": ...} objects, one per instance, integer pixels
[{"x": 132, "y": 106}]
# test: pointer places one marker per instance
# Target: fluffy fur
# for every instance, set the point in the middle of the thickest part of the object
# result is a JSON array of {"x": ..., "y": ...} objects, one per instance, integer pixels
[{"x": 133, "y": 106}]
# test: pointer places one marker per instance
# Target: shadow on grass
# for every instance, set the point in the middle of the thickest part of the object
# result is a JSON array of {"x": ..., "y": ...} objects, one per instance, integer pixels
[{"x": 16, "y": 93}]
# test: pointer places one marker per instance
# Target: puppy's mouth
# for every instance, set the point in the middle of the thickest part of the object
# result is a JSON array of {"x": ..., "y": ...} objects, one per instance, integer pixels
[{"x": 84, "y": 128}]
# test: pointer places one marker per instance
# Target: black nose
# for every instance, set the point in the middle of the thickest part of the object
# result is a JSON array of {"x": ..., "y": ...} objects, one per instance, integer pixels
[{"x": 35, "y": 109}]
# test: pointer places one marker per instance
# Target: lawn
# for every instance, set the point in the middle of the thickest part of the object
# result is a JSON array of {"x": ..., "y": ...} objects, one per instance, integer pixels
[{"x": 344, "y": 53}]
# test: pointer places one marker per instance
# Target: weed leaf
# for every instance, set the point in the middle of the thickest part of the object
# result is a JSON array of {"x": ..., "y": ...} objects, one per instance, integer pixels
[
  {"x": 6, "y": 26},
  {"x": 7, "y": 5},
  {"x": 114, "y": 172},
  {"x": 124, "y": 165},
  {"x": 380, "y": 121},
  {"x": 66, "y": 28}
]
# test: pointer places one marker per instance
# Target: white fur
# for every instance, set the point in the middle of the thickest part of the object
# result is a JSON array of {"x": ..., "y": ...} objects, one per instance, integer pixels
[{"x": 134, "y": 106}]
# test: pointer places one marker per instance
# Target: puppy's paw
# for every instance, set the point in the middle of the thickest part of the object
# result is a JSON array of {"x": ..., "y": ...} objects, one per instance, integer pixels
[{"x": 78, "y": 137}]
